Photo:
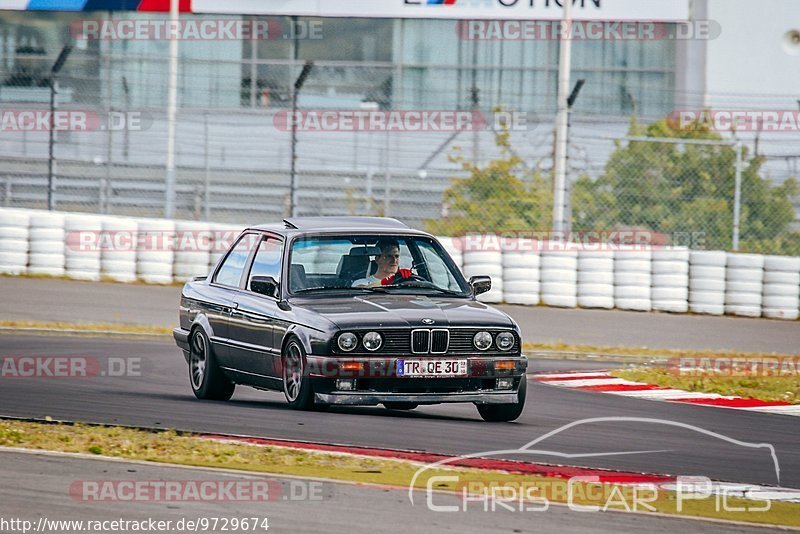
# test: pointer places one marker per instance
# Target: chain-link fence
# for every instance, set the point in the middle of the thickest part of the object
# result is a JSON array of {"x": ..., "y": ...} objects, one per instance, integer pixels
[
  {"x": 234, "y": 147},
  {"x": 702, "y": 193}
]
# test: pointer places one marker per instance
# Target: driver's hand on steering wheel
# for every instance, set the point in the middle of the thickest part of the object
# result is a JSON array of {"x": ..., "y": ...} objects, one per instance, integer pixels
[{"x": 400, "y": 274}]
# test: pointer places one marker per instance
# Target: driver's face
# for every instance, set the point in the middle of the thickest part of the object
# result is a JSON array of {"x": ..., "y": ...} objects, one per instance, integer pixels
[{"x": 389, "y": 260}]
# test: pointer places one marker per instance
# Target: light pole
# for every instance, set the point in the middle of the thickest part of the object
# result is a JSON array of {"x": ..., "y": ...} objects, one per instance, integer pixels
[
  {"x": 172, "y": 110},
  {"x": 53, "y": 83},
  {"x": 298, "y": 85},
  {"x": 562, "y": 118},
  {"x": 369, "y": 106}
]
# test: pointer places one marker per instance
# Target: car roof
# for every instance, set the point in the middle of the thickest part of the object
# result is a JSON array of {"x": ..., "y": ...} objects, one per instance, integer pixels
[{"x": 338, "y": 225}]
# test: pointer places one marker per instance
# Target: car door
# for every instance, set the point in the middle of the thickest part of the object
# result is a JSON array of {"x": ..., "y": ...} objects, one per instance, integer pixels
[
  {"x": 252, "y": 327},
  {"x": 227, "y": 281}
]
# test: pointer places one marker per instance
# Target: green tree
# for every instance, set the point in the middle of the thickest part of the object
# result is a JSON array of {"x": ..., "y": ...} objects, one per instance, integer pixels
[
  {"x": 670, "y": 188},
  {"x": 500, "y": 196}
]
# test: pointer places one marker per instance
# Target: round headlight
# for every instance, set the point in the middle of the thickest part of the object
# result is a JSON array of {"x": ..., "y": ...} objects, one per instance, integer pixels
[
  {"x": 372, "y": 341},
  {"x": 348, "y": 341},
  {"x": 505, "y": 340},
  {"x": 482, "y": 340}
]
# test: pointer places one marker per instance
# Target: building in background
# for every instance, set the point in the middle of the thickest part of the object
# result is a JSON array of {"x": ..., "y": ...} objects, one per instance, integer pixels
[{"x": 400, "y": 55}]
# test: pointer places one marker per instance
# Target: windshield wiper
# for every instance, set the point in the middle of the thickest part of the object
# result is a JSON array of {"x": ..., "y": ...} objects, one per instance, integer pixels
[
  {"x": 319, "y": 288},
  {"x": 373, "y": 289},
  {"x": 433, "y": 287}
]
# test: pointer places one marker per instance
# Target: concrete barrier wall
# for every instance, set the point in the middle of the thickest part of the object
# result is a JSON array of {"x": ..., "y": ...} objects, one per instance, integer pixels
[{"x": 524, "y": 272}]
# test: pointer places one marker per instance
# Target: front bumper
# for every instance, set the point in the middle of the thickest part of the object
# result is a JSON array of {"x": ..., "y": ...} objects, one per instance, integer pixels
[
  {"x": 379, "y": 383},
  {"x": 366, "y": 398}
]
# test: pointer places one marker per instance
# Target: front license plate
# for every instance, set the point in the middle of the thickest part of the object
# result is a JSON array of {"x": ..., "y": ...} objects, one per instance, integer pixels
[{"x": 431, "y": 367}]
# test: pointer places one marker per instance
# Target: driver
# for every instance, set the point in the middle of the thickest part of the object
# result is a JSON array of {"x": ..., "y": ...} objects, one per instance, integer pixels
[{"x": 388, "y": 262}]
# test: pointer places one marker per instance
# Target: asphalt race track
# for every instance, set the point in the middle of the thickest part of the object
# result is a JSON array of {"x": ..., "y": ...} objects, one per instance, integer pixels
[
  {"x": 161, "y": 397},
  {"x": 88, "y": 302},
  {"x": 338, "y": 508}
]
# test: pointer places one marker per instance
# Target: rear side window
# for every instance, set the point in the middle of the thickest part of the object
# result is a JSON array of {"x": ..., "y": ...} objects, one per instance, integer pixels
[
  {"x": 268, "y": 259},
  {"x": 230, "y": 273}
]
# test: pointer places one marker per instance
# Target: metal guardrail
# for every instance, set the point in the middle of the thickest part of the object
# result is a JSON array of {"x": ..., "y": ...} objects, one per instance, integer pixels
[{"x": 232, "y": 196}]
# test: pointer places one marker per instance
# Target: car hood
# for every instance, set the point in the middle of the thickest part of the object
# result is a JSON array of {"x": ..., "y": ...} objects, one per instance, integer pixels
[{"x": 404, "y": 310}]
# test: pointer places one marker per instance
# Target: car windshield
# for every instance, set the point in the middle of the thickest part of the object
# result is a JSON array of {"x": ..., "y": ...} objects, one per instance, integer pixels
[{"x": 372, "y": 263}]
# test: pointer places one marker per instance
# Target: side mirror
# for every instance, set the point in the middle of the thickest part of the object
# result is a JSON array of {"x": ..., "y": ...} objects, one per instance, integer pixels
[
  {"x": 265, "y": 285},
  {"x": 480, "y": 284}
]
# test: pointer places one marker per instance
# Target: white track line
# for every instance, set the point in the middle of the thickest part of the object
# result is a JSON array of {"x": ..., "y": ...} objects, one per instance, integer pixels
[
  {"x": 610, "y": 381},
  {"x": 671, "y": 394}
]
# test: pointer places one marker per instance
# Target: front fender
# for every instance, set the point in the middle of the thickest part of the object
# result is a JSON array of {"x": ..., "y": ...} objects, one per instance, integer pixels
[{"x": 313, "y": 342}]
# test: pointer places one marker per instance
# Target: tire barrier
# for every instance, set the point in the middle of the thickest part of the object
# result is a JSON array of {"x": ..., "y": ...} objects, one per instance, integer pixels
[
  {"x": 486, "y": 263},
  {"x": 156, "y": 251},
  {"x": 596, "y": 279},
  {"x": 669, "y": 290},
  {"x": 82, "y": 255},
  {"x": 559, "y": 276},
  {"x": 521, "y": 273},
  {"x": 47, "y": 244},
  {"x": 524, "y": 272},
  {"x": 744, "y": 280},
  {"x": 781, "y": 287},
  {"x": 707, "y": 281},
  {"x": 14, "y": 238},
  {"x": 632, "y": 279},
  {"x": 118, "y": 249},
  {"x": 193, "y": 244}
]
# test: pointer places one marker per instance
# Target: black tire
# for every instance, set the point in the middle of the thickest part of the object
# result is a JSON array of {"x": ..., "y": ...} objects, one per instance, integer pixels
[
  {"x": 297, "y": 387},
  {"x": 206, "y": 378},
  {"x": 502, "y": 413},
  {"x": 400, "y": 405}
]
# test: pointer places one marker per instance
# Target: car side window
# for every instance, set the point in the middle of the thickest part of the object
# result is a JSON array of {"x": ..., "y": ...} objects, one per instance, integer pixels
[
  {"x": 231, "y": 270},
  {"x": 267, "y": 262}
]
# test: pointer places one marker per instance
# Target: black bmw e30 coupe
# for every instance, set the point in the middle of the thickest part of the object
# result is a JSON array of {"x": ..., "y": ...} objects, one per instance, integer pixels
[{"x": 349, "y": 311}]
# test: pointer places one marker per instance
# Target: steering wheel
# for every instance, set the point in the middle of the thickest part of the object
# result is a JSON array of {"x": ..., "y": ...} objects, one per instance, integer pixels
[{"x": 413, "y": 278}]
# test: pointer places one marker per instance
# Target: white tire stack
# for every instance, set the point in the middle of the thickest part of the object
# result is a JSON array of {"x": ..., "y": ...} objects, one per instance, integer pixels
[
  {"x": 453, "y": 247},
  {"x": 559, "y": 276},
  {"x": 521, "y": 273},
  {"x": 744, "y": 283},
  {"x": 82, "y": 253},
  {"x": 486, "y": 263},
  {"x": 14, "y": 235},
  {"x": 670, "y": 280},
  {"x": 781, "y": 291},
  {"x": 632, "y": 278},
  {"x": 46, "y": 241},
  {"x": 193, "y": 245},
  {"x": 707, "y": 281},
  {"x": 155, "y": 252},
  {"x": 596, "y": 279},
  {"x": 118, "y": 244}
]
